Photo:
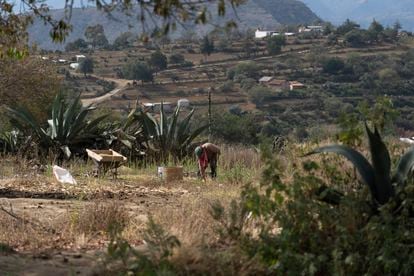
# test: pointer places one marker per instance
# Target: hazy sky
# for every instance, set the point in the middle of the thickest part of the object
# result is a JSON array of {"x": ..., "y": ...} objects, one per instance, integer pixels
[{"x": 58, "y": 4}]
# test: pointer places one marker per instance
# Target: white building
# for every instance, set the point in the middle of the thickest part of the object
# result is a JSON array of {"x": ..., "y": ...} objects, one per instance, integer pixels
[
  {"x": 263, "y": 34},
  {"x": 265, "y": 79},
  {"x": 183, "y": 103},
  {"x": 79, "y": 58},
  {"x": 311, "y": 28},
  {"x": 156, "y": 107},
  {"x": 74, "y": 66}
]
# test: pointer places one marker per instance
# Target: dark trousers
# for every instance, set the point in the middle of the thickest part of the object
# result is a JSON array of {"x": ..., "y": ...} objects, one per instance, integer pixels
[{"x": 213, "y": 166}]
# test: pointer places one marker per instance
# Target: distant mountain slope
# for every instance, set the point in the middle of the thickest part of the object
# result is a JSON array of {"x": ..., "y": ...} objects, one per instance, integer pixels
[
  {"x": 288, "y": 11},
  {"x": 364, "y": 11},
  {"x": 253, "y": 14}
]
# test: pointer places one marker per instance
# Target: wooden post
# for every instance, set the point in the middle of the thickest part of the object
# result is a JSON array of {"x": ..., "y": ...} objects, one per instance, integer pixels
[{"x": 209, "y": 114}]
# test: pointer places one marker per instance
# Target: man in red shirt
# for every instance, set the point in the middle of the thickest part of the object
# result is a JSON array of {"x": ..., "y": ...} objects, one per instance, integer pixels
[{"x": 207, "y": 153}]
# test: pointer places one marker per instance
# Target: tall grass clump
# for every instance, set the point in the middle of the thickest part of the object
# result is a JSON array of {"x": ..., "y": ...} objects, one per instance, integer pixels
[
  {"x": 238, "y": 164},
  {"x": 99, "y": 217}
]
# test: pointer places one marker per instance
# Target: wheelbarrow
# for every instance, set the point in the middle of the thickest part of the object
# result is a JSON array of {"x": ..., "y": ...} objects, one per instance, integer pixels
[{"x": 106, "y": 160}]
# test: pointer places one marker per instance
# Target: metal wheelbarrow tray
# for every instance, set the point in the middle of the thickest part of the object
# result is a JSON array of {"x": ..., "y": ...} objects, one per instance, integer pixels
[{"x": 106, "y": 160}]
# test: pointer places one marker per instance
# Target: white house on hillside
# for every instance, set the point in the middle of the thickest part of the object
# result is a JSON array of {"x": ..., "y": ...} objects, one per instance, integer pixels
[
  {"x": 312, "y": 28},
  {"x": 79, "y": 58},
  {"x": 263, "y": 34}
]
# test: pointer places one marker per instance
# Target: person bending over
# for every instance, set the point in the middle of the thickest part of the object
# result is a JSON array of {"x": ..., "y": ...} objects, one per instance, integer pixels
[{"x": 207, "y": 154}]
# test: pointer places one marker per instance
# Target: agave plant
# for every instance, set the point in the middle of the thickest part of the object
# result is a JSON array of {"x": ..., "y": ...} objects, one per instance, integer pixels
[
  {"x": 67, "y": 130},
  {"x": 169, "y": 136},
  {"x": 9, "y": 141},
  {"x": 127, "y": 134},
  {"x": 377, "y": 175}
]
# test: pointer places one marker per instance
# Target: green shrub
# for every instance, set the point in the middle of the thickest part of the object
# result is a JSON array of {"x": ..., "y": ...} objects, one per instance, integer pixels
[
  {"x": 301, "y": 233},
  {"x": 235, "y": 128},
  {"x": 124, "y": 259}
]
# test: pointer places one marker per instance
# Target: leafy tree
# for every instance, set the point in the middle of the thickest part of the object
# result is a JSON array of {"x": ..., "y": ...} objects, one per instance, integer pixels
[
  {"x": 317, "y": 55},
  {"x": 224, "y": 44},
  {"x": 397, "y": 26},
  {"x": 328, "y": 28},
  {"x": 247, "y": 83},
  {"x": 95, "y": 36},
  {"x": 275, "y": 43},
  {"x": 356, "y": 38},
  {"x": 259, "y": 94},
  {"x": 78, "y": 44},
  {"x": 86, "y": 66},
  {"x": 383, "y": 114},
  {"x": 351, "y": 130},
  {"x": 375, "y": 31},
  {"x": 123, "y": 41},
  {"x": 137, "y": 70},
  {"x": 333, "y": 65},
  {"x": 177, "y": 58},
  {"x": 158, "y": 61},
  {"x": 29, "y": 82},
  {"x": 346, "y": 27},
  {"x": 206, "y": 46},
  {"x": 245, "y": 69},
  {"x": 189, "y": 36},
  {"x": 234, "y": 128},
  {"x": 390, "y": 34}
]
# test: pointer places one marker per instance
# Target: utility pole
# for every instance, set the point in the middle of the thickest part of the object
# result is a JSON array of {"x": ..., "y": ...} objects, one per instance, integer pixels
[{"x": 209, "y": 113}]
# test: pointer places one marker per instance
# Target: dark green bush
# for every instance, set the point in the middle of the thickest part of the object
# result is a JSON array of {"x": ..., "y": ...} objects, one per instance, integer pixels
[{"x": 299, "y": 234}]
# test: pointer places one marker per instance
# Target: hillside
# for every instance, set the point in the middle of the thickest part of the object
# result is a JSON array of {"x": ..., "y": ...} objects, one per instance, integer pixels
[
  {"x": 288, "y": 11},
  {"x": 385, "y": 11},
  {"x": 253, "y": 14}
]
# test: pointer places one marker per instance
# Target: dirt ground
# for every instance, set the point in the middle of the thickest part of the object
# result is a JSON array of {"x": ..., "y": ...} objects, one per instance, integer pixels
[{"x": 36, "y": 218}]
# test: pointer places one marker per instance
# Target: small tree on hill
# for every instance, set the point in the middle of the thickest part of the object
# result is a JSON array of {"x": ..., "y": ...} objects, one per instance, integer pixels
[
  {"x": 78, "y": 44},
  {"x": 95, "y": 36},
  {"x": 86, "y": 66},
  {"x": 275, "y": 43},
  {"x": 356, "y": 38},
  {"x": 158, "y": 61},
  {"x": 137, "y": 70},
  {"x": 177, "y": 58},
  {"x": 333, "y": 65},
  {"x": 123, "y": 41},
  {"x": 207, "y": 46},
  {"x": 346, "y": 27},
  {"x": 375, "y": 31}
]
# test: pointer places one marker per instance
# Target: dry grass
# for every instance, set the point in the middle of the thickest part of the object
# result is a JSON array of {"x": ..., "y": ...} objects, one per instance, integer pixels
[
  {"x": 22, "y": 236},
  {"x": 100, "y": 217},
  {"x": 232, "y": 156}
]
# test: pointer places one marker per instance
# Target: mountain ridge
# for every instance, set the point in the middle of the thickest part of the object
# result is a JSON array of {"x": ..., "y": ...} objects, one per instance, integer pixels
[
  {"x": 363, "y": 12},
  {"x": 253, "y": 14}
]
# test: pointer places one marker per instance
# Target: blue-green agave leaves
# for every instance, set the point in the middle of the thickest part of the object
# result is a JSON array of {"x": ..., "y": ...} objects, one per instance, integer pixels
[
  {"x": 378, "y": 174},
  {"x": 67, "y": 129},
  {"x": 404, "y": 168},
  {"x": 169, "y": 135},
  {"x": 357, "y": 159}
]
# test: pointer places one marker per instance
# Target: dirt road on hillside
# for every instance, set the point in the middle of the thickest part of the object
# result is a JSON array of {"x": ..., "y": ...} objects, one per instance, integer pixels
[{"x": 121, "y": 84}]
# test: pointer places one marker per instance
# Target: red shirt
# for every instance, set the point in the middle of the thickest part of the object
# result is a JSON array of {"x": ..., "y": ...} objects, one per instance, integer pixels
[{"x": 203, "y": 160}]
